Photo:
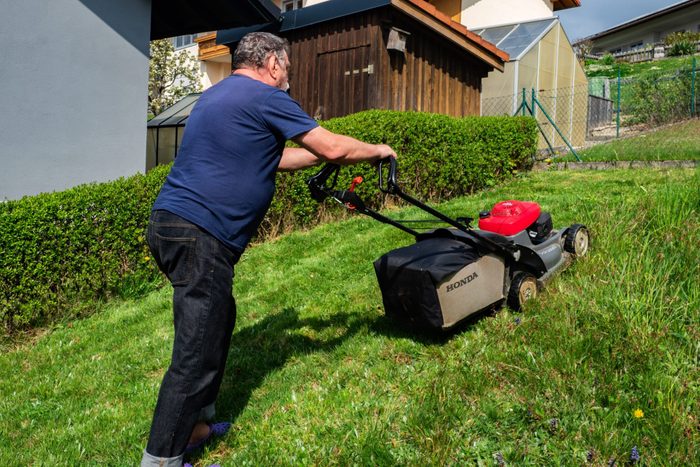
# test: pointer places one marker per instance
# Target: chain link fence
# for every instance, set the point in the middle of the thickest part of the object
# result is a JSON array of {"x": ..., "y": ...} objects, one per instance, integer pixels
[{"x": 653, "y": 116}]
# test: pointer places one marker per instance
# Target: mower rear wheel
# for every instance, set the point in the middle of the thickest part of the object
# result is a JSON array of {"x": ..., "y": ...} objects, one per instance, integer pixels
[
  {"x": 577, "y": 240},
  {"x": 523, "y": 287}
]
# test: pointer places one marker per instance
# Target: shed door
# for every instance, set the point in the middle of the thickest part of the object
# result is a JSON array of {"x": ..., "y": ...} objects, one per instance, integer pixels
[{"x": 343, "y": 82}]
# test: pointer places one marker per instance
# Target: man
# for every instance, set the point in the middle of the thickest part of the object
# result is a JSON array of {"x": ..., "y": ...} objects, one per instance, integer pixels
[{"x": 212, "y": 202}]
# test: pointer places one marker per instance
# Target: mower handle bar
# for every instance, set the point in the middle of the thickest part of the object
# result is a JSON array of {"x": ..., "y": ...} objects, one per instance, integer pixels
[
  {"x": 391, "y": 186},
  {"x": 320, "y": 190}
]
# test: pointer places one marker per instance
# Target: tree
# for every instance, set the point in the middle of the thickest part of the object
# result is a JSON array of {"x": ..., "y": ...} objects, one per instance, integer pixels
[{"x": 171, "y": 76}]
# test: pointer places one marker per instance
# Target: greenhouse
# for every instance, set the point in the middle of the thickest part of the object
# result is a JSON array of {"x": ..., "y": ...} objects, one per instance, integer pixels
[
  {"x": 541, "y": 59},
  {"x": 165, "y": 131}
]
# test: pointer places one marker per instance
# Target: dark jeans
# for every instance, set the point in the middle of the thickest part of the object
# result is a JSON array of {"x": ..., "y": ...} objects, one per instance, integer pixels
[{"x": 200, "y": 268}]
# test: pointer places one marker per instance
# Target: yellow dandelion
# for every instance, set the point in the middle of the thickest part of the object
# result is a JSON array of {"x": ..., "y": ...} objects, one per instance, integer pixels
[{"x": 638, "y": 413}]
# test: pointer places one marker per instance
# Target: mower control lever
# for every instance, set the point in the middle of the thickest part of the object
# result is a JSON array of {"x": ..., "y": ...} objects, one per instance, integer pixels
[{"x": 318, "y": 184}]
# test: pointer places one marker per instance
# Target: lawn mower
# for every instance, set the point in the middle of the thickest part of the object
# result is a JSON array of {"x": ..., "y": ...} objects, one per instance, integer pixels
[{"x": 453, "y": 272}]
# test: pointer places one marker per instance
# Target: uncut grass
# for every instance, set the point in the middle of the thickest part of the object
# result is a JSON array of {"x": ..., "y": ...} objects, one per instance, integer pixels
[
  {"x": 316, "y": 375},
  {"x": 680, "y": 141}
]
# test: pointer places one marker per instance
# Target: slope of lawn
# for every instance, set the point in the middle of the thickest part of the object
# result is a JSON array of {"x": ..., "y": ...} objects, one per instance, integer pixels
[
  {"x": 678, "y": 141},
  {"x": 668, "y": 65},
  {"x": 604, "y": 361}
]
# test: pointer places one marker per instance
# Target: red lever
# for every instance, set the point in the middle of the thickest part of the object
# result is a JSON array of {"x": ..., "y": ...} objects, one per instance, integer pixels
[{"x": 355, "y": 181}]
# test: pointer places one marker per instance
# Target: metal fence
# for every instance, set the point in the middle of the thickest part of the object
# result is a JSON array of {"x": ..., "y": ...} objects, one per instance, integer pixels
[{"x": 572, "y": 120}]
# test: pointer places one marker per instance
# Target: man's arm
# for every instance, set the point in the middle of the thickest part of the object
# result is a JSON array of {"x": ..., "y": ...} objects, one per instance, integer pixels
[
  {"x": 340, "y": 149},
  {"x": 296, "y": 159}
]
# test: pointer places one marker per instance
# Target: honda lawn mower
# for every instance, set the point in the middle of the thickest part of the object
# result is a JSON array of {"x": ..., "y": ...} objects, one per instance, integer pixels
[{"x": 453, "y": 272}]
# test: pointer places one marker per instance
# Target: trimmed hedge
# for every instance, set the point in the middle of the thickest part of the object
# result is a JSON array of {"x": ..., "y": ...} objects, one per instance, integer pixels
[
  {"x": 440, "y": 157},
  {"x": 62, "y": 252}
]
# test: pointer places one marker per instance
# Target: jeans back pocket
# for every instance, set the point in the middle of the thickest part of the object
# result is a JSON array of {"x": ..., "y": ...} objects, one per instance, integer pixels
[{"x": 175, "y": 256}]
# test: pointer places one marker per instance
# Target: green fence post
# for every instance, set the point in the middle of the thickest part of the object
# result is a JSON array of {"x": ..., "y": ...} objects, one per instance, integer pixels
[
  {"x": 692, "y": 89},
  {"x": 561, "y": 135},
  {"x": 524, "y": 99},
  {"x": 619, "y": 87},
  {"x": 532, "y": 106}
]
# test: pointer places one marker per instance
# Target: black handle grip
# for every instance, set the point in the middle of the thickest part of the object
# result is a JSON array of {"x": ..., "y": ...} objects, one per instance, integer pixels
[{"x": 391, "y": 186}]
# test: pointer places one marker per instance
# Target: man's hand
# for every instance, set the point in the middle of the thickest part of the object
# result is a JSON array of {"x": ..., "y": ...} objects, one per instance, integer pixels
[{"x": 385, "y": 151}]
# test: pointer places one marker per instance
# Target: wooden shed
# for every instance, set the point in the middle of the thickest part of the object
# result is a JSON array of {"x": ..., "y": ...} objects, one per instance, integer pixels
[{"x": 381, "y": 54}]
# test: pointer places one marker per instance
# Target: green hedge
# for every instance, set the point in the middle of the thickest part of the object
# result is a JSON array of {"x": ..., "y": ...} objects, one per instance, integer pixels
[
  {"x": 439, "y": 157},
  {"x": 60, "y": 253}
]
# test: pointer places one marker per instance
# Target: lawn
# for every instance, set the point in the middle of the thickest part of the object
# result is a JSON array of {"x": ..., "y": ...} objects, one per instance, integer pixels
[
  {"x": 680, "y": 141},
  {"x": 667, "y": 65},
  {"x": 604, "y": 361}
]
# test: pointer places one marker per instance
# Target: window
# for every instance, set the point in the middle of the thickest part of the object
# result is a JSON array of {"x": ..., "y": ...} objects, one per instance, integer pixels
[
  {"x": 636, "y": 45},
  {"x": 289, "y": 5},
  {"x": 183, "y": 41}
]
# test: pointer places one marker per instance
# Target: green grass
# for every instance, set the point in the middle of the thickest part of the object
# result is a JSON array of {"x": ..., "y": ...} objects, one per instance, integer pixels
[
  {"x": 680, "y": 141},
  {"x": 664, "y": 66},
  {"x": 317, "y": 375}
]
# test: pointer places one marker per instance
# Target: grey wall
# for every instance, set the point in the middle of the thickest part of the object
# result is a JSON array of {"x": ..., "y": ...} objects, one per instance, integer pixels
[{"x": 73, "y": 90}]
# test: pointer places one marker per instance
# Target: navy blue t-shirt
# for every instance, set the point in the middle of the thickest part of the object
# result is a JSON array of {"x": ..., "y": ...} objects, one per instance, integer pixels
[{"x": 223, "y": 178}]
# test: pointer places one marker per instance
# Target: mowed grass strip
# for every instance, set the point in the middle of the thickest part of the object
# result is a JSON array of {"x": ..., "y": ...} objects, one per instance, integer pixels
[{"x": 317, "y": 375}]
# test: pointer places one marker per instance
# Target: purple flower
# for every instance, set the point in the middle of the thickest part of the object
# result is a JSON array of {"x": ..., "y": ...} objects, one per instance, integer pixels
[
  {"x": 499, "y": 459},
  {"x": 517, "y": 320},
  {"x": 553, "y": 424},
  {"x": 634, "y": 455},
  {"x": 590, "y": 455}
]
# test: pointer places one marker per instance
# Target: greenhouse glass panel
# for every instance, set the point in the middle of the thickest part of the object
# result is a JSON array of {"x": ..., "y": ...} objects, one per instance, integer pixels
[
  {"x": 496, "y": 35},
  {"x": 522, "y": 37},
  {"x": 166, "y": 145}
]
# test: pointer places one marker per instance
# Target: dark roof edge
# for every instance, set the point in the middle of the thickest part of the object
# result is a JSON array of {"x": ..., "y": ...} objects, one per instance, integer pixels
[
  {"x": 641, "y": 19},
  {"x": 304, "y": 17}
]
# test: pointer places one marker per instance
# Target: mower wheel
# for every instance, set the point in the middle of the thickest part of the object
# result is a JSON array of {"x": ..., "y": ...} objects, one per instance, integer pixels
[
  {"x": 576, "y": 240},
  {"x": 523, "y": 287}
]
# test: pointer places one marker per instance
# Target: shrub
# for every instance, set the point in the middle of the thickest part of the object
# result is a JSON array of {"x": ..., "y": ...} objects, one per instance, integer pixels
[
  {"x": 444, "y": 156},
  {"x": 682, "y": 43},
  {"x": 657, "y": 99},
  {"x": 607, "y": 59},
  {"x": 73, "y": 246},
  {"x": 61, "y": 252}
]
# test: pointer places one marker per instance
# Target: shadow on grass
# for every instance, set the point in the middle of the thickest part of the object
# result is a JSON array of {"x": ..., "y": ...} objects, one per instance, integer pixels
[{"x": 269, "y": 344}]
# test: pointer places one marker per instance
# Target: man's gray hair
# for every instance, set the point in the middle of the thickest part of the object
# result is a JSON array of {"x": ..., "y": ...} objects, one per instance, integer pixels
[{"x": 256, "y": 47}]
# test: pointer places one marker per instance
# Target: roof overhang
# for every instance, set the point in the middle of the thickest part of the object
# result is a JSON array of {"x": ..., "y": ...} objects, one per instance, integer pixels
[
  {"x": 171, "y": 18},
  {"x": 419, "y": 10},
  {"x": 457, "y": 33},
  {"x": 565, "y": 4}
]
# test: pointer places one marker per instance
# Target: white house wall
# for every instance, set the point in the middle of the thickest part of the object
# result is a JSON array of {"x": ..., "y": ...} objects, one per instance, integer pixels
[
  {"x": 74, "y": 80},
  {"x": 485, "y": 13},
  {"x": 478, "y": 14}
]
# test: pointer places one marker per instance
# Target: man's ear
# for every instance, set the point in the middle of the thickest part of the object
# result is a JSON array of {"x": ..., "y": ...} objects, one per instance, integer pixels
[{"x": 270, "y": 66}]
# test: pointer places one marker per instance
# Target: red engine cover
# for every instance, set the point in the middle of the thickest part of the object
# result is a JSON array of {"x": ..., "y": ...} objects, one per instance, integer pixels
[{"x": 510, "y": 217}]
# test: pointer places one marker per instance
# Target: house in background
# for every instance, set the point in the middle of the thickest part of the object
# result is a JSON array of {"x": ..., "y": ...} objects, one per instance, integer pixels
[
  {"x": 646, "y": 31},
  {"x": 479, "y": 14},
  {"x": 474, "y": 14},
  {"x": 74, "y": 83},
  {"x": 541, "y": 58},
  {"x": 371, "y": 54}
]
